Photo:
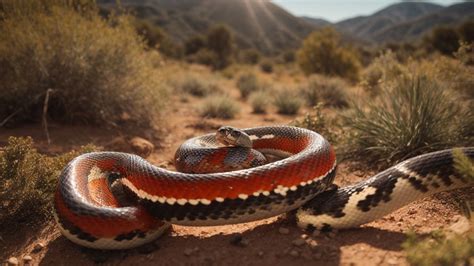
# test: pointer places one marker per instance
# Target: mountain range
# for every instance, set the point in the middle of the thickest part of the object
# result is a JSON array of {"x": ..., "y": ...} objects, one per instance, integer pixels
[{"x": 265, "y": 26}]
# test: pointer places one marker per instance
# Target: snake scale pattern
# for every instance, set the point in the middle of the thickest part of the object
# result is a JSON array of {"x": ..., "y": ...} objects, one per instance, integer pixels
[{"x": 111, "y": 200}]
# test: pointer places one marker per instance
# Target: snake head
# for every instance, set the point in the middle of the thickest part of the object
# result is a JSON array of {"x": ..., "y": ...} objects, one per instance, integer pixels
[{"x": 231, "y": 136}]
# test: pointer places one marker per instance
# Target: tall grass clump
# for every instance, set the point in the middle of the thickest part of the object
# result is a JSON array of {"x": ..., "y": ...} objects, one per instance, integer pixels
[
  {"x": 247, "y": 83},
  {"x": 97, "y": 68},
  {"x": 28, "y": 180},
  {"x": 219, "y": 106},
  {"x": 414, "y": 116},
  {"x": 260, "y": 101},
  {"x": 330, "y": 91},
  {"x": 287, "y": 102}
]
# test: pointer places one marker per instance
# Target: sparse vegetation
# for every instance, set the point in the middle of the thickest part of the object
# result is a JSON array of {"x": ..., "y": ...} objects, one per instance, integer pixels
[
  {"x": 266, "y": 66},
  {"x": 197, "y": 86},
  {"x": 445, "y": 40},
  {"x": 247, "y": 83},
  {"x": 317, "y": 122},
  {"x": 323, "y": 53},
  {"x": 260, "y": 101},
  {"x": 97, "y": 72},
  {"x": 28, "y": 180},
  {"x": 287, "y": 102},
  {"x": 330, "y": 91},
  {"x": 250, "y": 56},
  {"x": 219, "y": 107},
  {"x": 414, "y": 116}
]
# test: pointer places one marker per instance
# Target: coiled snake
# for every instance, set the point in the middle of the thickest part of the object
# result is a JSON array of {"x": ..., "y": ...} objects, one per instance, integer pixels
[{"x": 111, "y": 200}]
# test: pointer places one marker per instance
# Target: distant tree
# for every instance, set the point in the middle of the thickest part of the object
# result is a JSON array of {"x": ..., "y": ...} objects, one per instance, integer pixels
[
  {"x": 194, "y": 44},
  {"x": 323, "y": 52},
  {"x": 288, "y": 56},
  {"x": 445, "y": 40},
  {"x": 220, "y": 41},
  {"x": 250, "y": 56},
  {"x": 466, "y": 31}
]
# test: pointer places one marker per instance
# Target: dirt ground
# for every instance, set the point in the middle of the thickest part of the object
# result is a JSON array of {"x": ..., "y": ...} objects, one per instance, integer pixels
[{"x": 265, "y": 242}]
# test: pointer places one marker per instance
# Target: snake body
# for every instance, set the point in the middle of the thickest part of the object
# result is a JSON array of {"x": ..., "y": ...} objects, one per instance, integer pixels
[{"x": 91, "y": 213}]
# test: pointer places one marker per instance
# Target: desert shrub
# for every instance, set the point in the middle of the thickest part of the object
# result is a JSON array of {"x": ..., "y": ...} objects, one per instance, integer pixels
[
  {"x": 28, "y": 180},
  {"x": 198, "y": 86},
  {"x": 323, "y": 53},
  {"x": 250, "y": 56},
  {"x": 287, "y": 102},
  {"x": 247, "y": 83},
  {"x": 194, "y": 44},
  {"x": 383, "y": 69},
  {"x": 415, "y": 116},
  {"x": 465, "y": 53},
  {"x": 205, "y": 57},
  {"x": 156, "y": 37},
  {"x": 288, "y": 56},
  {"x": 219, "y": 107},
  {"x": 97, "y": 68},
  {"x": 317, "y": 122},
  {"x": 330, "y": 91},
  {"x": 260, "y": 101},
  {"x": 266, "y": 66},
  {"x": 445, "y": 40}
]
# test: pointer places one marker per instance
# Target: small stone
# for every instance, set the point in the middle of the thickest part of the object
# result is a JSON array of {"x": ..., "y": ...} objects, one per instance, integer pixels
[
  {"x": 12, "y": 261},
  {"x": 260, "y": 253},
  {"x": 304, "y": 236},
  {"x": 412, "y": 211},
  {"x": 400, "y": 224},
  {"x": 298, "y": 242},
  {"x": 316, "y": 233},
  {"x": 142, "y": 146},
  {"x": 188, "y": 251},
  {"x": 284, "y": 231},
  {"x": 27, "y": 259},
  {"x": 38, "y": 247},
  {"x": 425, "y": 220},
  {"x": 294, "y": 253}
]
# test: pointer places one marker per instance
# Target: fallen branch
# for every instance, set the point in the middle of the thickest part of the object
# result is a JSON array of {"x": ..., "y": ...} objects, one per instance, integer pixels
[{"x": 45, "y": 113}]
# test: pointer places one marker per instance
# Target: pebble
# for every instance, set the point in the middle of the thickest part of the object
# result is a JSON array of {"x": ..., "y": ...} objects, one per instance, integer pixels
[
  {"x": 284, "y": 231},
  {"x": 412, "y": 211},
  {"x": 392, "y": 262},
  {"x": 142, "y": 146},
  {"x": 260, "y": 253},
  {"x": 38, "y": 247},
  {"x": 298, "y": 242},
  {"x": 27, "y": 259},
  {"x": 294, "y": 253},
  {"x": 12, "y": 261}
]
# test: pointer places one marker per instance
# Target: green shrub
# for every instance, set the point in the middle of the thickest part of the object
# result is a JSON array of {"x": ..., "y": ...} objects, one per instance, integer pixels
[
  {"x": 323, "y": 53},
  {"x": 221, "y": 42},
  {"x": 266, "y": 66},
  {"x": 28, "y": 180},
  {"x": 198, "y": 87},
  {"x": 317, "y": 122},
  {"x": 260, "y": 101},
  {"x": 466, "y": 31},
  {"x": 288, "y": 56},
  {"x": 330, "y": 91},
  {"x": 445, "y": 40},
  {"x": 97, "y": 68},
  {"x": 194, "y": 44},
  {"x": 247, "y": 83},
  {"x": 155, "y": 37},
  {"x": 383, "y": 69},
  {"x": 287, "y": 102},
  {"x": 413, "y": 117},
  {"x": 219, "y": 107}
]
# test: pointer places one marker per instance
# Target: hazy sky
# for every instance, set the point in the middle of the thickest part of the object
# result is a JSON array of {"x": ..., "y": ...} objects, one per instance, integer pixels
[{"x": 336, "y": 10}]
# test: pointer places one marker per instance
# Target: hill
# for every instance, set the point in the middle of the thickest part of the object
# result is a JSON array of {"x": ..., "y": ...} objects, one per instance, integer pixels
[
  {"x": 366, "y": 27},
  {"x": 255, "y": 24}
]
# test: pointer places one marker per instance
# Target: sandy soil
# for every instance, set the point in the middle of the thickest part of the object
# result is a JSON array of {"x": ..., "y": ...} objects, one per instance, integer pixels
[{"x": 265, "y": 242}]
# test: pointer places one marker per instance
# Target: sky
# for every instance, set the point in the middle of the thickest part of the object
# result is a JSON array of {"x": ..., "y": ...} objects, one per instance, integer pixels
[{"x": 336, "y": 10}]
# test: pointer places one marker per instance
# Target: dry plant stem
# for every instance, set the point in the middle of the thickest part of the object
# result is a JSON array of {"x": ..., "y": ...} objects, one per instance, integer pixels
[{"x": 45, "y": 113}]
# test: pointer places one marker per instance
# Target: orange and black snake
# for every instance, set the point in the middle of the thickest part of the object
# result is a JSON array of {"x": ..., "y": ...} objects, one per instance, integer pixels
[{"x": 111, "y": 200}]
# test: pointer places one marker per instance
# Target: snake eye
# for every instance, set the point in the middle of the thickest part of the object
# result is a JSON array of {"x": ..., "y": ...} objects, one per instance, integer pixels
[{"x": 236, "y": 134}]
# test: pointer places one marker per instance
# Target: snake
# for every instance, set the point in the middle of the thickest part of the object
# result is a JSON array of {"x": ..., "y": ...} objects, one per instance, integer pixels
[{"x": 114, "y": 200}]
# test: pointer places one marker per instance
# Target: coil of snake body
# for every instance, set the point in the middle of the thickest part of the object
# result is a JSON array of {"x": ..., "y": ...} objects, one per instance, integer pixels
[{"x": 111, "y": 200}]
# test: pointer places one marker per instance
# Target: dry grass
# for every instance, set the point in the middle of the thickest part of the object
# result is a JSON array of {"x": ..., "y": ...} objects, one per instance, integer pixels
[
  {"x": 287, "y": 102},
  {"x": 260, "y": 101},
  {"x": 198, "y": 86},
  {"x": 97, "y": 68},
  {"x": 330, "y": 91},
  {"x": 247, "y": 83},
  {"x": 219, "y": 106}
]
